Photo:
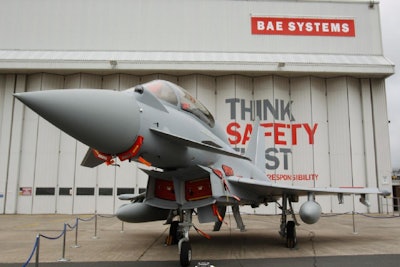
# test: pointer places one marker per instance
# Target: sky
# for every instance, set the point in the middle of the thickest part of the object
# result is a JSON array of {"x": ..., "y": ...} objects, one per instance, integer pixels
[{"x": 390, "y": 23}]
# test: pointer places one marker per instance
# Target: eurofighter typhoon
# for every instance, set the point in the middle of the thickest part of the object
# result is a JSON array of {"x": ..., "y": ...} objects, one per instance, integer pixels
[{"x": 193, "y": 167}]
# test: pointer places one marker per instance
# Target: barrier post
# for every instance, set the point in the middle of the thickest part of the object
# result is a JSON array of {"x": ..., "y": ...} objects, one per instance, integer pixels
[
  {"x": 122, "y": 227},
  {"x": 353, "y": 217},
  {"x": 354, "y": 223},
  {"x": 37, "y": 250},
  {"x": 63, "y": 259},
  {"x": 76, "y": 234},
  {"x": 95, "y": 226},
  {"x": 387, "y": 206}
]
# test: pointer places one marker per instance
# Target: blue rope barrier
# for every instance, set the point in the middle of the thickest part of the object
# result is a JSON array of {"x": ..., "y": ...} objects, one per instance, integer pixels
[
  {"x": 57, "y": 237},
  {"x": 87, "y": 220},
  {"x": 326, "y": 215},
  {"x": 361, "y": 214},
  {"x": 71, "y": 227},
  {"x": 378, "y": 217},
  {"x": 106, "y": 216},
  {"x": 33, "y": 251}
]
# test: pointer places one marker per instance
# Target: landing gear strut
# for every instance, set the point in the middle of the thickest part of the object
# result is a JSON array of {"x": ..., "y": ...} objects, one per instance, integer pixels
[
  {"x": 288, "y": 228},
  {"x": 236, "y": 215},
  {"x": 179, "y": 234},
  {"x": 291, "y": 239}
]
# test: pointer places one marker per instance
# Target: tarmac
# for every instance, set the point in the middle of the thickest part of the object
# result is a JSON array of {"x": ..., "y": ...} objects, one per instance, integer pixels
[{"x": 345, "y": 240}]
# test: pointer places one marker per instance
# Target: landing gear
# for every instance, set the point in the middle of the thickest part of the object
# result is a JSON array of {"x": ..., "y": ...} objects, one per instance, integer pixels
[
  {"x": 174, "y": 235},
  {"x": 185, "y": 253},
  {"x": 185, "y": 249},
  {"x": 236, "y": 215},
  {"x": 291, "y": 239},
  {"x": 238, "y": 218},
  {"x": 288, "y": 228},
  {"x": 218, "y": 224},
  {"x": 179, "y": 234}
]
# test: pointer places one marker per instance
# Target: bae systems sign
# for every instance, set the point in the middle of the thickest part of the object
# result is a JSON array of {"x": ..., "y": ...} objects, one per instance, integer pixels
[{"x": 302, "y": 26}]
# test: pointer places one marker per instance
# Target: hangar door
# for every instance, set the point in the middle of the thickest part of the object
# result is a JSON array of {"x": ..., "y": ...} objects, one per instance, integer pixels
[{"x": 318, "y": 132}]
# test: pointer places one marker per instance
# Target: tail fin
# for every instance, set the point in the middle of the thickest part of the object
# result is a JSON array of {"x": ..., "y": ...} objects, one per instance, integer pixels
[{"x": 256, "y": 148}]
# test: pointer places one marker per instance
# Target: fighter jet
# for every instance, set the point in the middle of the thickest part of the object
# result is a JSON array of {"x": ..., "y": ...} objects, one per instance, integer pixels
[{"x": 191, "y": 166}]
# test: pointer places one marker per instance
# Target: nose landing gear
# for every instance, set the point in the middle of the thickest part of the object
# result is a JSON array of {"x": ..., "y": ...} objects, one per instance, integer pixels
[
  {"x": 185, "y": 253},
  {"x": 179, "y": 234}
]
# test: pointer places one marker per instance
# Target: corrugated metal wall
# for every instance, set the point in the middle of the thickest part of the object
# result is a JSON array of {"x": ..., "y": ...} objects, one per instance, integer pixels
[
  {"x": 180, "y": 25},
  {"x": 319, "y": 132}
]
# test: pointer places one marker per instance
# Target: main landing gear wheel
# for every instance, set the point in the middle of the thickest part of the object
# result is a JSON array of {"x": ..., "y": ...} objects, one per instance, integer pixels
[
  {"x": 186, "y": 254},
  {"x": 291, "y": 239}
]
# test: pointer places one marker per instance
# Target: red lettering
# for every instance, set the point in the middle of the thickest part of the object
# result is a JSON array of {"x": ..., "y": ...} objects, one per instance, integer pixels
[
  {"x": 267, "y": 125},
  {"x": 247, "y": 133},
  {"x": 231, "y": 130},
  {"x": 278, "y": 133},
  {"x": 310, "y": 132},
  {"x": 294, "y": 133}
]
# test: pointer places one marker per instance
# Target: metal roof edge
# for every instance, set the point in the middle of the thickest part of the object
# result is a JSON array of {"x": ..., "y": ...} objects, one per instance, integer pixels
[{"x": 112, "y": 61}]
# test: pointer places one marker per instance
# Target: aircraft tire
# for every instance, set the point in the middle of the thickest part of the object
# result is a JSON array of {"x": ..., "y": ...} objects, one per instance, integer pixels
[
  {"x": 185, "y": 254},
  {"x": 291, "y": 239}
]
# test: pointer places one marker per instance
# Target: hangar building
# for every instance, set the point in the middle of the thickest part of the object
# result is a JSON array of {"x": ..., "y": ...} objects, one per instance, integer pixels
[{"x": 312, "y": 71}]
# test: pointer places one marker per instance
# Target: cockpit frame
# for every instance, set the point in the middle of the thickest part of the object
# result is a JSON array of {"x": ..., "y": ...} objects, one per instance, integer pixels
[{"x": 177, "y": 96}]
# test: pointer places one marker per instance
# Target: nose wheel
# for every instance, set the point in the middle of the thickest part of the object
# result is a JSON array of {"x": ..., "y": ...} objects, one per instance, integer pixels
[
  {"x": 179, "y": 234},
  {"x": 185, "y": 253},
  {"x": 180, "y": 231}
]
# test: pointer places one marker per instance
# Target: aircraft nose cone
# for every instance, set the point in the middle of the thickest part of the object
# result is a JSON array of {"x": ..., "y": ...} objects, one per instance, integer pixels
[{"x": 105, "y": 120}]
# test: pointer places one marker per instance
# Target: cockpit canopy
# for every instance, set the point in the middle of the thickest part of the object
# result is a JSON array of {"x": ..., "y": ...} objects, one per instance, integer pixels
[{"x": 179, "y": 97}]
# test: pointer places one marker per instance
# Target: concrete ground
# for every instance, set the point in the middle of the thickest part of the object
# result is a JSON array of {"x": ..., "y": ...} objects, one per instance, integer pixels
[{"x": 115, "y": 242}]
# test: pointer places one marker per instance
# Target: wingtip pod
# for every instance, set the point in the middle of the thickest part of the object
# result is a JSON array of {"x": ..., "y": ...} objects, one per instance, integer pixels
[
  {"x": 385, "y": 193},
  {"x": 102, "y": 119}
]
